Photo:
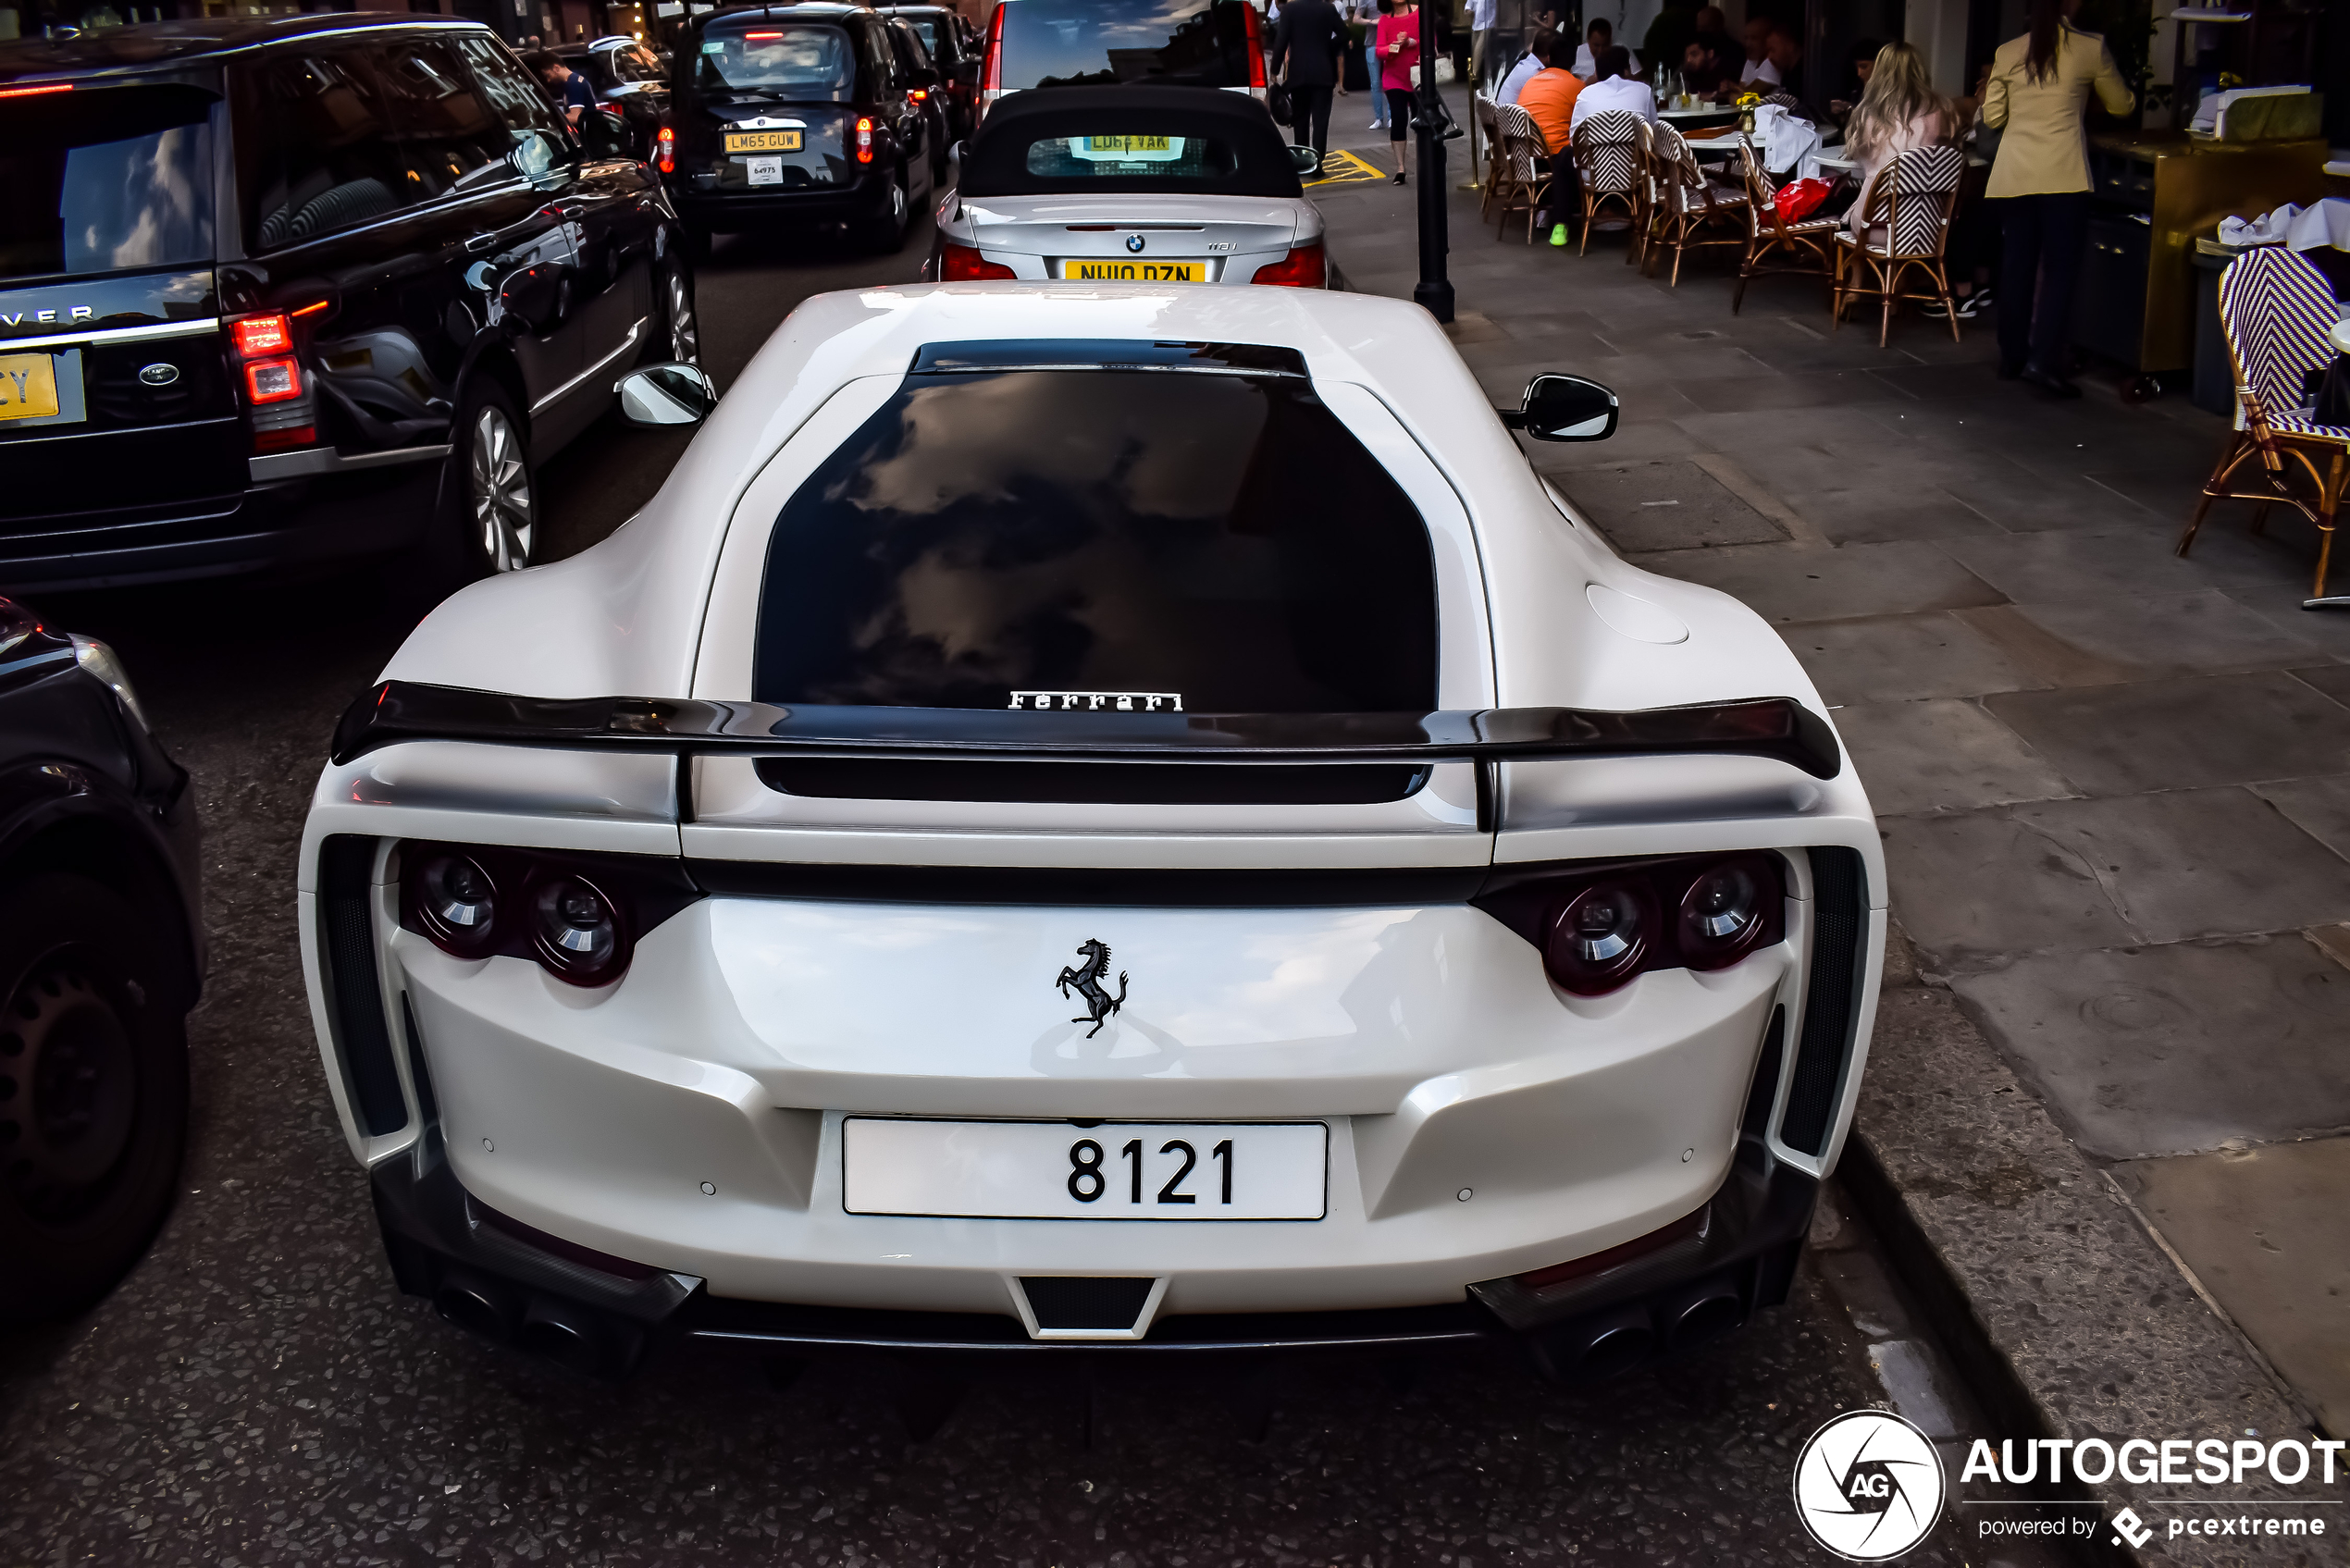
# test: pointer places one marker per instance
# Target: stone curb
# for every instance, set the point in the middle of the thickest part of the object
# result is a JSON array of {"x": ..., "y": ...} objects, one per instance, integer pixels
[{"x": 2060, "y": 1309}]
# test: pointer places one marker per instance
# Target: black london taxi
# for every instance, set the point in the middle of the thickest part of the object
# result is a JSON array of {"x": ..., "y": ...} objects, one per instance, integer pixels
[
  {"x": 954, "y": 55},
  {"x": 279, "y": 291},
  {"x": 796, "y": 114},
  {"x": 101, "y": 956}
]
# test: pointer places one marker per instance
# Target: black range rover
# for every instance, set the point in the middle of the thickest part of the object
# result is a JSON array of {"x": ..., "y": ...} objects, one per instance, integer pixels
[
  {"x": 283, "y": 291},
  {"x": 801, "y": 114}
]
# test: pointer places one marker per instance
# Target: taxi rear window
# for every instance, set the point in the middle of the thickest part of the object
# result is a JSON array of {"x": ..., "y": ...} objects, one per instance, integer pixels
[
  {"x": 797, "y": 61},
  {"x": 1216, "y": 538},
  {"x": 106, "y": 179}
]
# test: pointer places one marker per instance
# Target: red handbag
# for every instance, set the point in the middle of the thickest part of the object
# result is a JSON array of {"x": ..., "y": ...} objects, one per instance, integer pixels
[{"x": 1799, "y": 199}]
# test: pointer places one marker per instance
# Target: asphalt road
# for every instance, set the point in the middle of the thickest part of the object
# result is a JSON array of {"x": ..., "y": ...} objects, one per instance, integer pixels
[{"x": 257, "y": 1392}]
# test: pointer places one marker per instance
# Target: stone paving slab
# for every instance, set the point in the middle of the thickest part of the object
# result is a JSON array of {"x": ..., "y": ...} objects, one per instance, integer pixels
[
  {"x": 2183, "y": 734},
  {"x": 2265, "y": 1231}
]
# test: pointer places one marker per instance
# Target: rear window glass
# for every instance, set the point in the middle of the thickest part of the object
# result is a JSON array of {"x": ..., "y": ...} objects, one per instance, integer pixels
[
  {"x": 1060, "y": 152},
  {"x": 793, "y": 60},
  {"x": 927, "y": 31},
  {"x": 1222, "y": 538},
  {"x": 316, "y": 141},
  {"x": 1100, "y": 43},
  {"x": 106, "y": 179}
]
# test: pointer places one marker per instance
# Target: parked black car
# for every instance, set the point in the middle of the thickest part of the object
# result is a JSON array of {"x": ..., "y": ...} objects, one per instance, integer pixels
[
  {"x": 324, "y": 286},
  {"x": 796, "y": 114},
  {"x": 101, "y": 956},
  {"x": 630, "y": 83},
  {"x": 954, "y": 58}
]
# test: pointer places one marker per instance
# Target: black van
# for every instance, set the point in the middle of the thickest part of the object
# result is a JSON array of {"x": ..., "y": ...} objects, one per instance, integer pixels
[
  {"x": 788, "y": 115},
  {"x": 282, "y": 292},
  {"x": 955, "y": 58}
]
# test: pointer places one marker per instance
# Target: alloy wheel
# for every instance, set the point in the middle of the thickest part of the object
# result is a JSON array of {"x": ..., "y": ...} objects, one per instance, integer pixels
[
  {"x": 685, "y": 332},
  {"x": 503, "y": 517}
]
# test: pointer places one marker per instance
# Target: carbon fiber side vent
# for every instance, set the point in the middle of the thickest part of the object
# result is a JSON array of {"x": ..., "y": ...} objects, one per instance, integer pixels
[
  {"x": 1832, "y": 1005},
  {"x": 355, "y": 992}
]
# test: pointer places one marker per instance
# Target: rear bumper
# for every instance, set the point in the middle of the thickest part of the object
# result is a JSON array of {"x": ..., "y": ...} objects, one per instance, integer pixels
[
  {"x": 604, "y": 1316},
  {"x": 299, "y": 522},
  {"x": 727, "y": 212}
]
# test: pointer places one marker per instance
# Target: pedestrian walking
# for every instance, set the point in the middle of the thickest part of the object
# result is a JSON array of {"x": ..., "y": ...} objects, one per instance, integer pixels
[
  {"x": 1373, "y": 68},
  {"x": 1398, "y": 59},
  {"x": 2037, "y": 99},
  {"x": 1310, "y": 40}
]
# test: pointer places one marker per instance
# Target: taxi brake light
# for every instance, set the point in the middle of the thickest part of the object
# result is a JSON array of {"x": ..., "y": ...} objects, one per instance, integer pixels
[
  {"x": 1256, "y": 44},
  {"x": 35, "y": 92},
  {"x": 991, "y": 73},
  {"x": 273, "y": 381},
  {"x": 919, "y": 94},
  {"x": 665, "y": 143},
  {"x": 761, "y": 37},
  {"x": 865, "y": 139}
]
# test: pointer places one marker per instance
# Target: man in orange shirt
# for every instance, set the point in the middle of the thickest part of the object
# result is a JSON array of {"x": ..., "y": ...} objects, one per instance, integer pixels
[{"x": 1549, "y": 98}]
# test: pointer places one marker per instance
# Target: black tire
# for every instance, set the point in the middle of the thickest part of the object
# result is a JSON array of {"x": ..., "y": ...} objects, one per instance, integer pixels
[
  {"x": 94, "y": 1063},
  {"x": 488, "y": 519},
  {"x": 884, "y": 233}
]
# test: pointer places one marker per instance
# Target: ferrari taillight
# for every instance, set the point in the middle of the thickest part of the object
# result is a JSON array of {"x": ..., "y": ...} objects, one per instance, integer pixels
[
  {"x": 963, "y": 264},
  {"x": 1304, "y": 268},
  {"x": 1598, "y": 929}
]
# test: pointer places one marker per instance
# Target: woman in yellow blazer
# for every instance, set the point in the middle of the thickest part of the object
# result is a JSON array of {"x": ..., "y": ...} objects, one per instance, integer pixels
[{"x": 2037, "y": 99}]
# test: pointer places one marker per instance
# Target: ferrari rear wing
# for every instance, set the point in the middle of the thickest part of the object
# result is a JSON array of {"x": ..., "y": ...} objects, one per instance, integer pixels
[{"x": 1778, "y": 728}]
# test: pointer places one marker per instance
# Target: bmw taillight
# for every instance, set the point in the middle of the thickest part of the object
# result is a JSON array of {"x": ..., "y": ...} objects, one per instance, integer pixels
[
  {"x": 963, "y": 264},
  {"x": 1598, "y": 927},
  {"x": 1256, "y": 44},
  {"x": 577, "y": 917},
  {"x": 1304, "y": 268},
  {"x": 991, "y": 70},
  {"x": 865, "y": 139},
  {"x": 665, "y": 149}
]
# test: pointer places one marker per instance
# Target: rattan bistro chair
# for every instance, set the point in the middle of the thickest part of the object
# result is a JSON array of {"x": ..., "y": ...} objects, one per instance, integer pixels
[
  {"x": 1901, "y": 237},
  {"x": 1489, "y": 125},
  {"x": 1607, "y": 158},
  {"x": 1688, "y": 203},
  {"x": 1525, "y": 177},
  {"x": 2275, "y": 311},
  {"x": 1807, "y": 247}
]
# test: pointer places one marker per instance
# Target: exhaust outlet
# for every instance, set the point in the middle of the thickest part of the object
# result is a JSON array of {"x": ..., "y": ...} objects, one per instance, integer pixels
[
  {"x": 477, "y": 1304},
  {"x": 572, "y": 1337},
  {"x": 1705, "y": 1313}
]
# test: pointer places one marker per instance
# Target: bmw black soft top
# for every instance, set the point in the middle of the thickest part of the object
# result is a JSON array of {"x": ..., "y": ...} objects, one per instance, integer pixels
[{"x": 1253, "y": 158}]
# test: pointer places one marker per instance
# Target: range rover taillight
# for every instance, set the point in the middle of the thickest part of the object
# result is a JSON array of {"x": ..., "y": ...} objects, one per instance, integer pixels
[
  {"x": 1598, "y": 927},
  {"x": 276, "y": 395}
]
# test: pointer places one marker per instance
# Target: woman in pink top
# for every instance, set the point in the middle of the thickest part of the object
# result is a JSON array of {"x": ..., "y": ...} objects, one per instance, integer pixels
[{"x": 1399, "y": 51}]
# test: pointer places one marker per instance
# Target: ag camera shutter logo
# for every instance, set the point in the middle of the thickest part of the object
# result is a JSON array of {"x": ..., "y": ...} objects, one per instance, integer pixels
[{"x": 1868, "y": 1486}]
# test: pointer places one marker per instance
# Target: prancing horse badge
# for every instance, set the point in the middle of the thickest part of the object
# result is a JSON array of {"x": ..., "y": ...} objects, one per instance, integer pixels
[{"x": 1087, "y": 978}]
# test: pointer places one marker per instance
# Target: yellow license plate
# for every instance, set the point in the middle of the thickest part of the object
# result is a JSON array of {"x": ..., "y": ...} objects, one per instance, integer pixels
[
  {"x": 1136, "y": 271},
  {"x": 28, "y": 387},
  {"x": 763, "y": 140},
  {"x": 1127, "y": 146}
]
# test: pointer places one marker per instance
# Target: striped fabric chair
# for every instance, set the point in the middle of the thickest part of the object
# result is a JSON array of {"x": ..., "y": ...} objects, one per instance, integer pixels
[
  {"x": 1606, "y": 150},
  {"x": 1489, "y": 125},
  {"x": 1685, "y": 203},
  {"x": 1775, "y": 246},
  {"x": 1901, "y": 236},
  {"x": 2275, "y": 310},
  {"x": 1524, "y": 180}
]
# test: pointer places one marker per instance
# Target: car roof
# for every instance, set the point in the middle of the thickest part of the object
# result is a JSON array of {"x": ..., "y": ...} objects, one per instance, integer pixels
[{"x": 151, "y": 45}]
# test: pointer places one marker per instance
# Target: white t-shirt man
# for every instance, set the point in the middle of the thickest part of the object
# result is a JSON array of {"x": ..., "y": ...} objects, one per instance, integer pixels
[
  {"x": 1616, "y": 93},
  {"x": 1526, "y": 70}
]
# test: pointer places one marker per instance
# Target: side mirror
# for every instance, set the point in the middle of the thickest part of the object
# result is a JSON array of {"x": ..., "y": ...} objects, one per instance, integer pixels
[
  {"x": 957, "y": 152},
  {"x": 604, "y": 134},
  {"x": 667, "y": 394},
  {"x": 1305, "y": 160},
  {"x": 1564, "y": 408}
]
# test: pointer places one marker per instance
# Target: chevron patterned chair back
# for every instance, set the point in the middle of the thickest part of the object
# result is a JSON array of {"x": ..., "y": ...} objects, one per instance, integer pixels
[
  {"x": 2276, "y": 310},
  {"x": 1524, "y": 162},
  {"x": 1684, "y": 201},
  {"x": 1808, "y": 243},
  {"x": 1901, "y": 236},
  {"x": 1489, "y": 125},
  {"x": 1606, "y": 149}
]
